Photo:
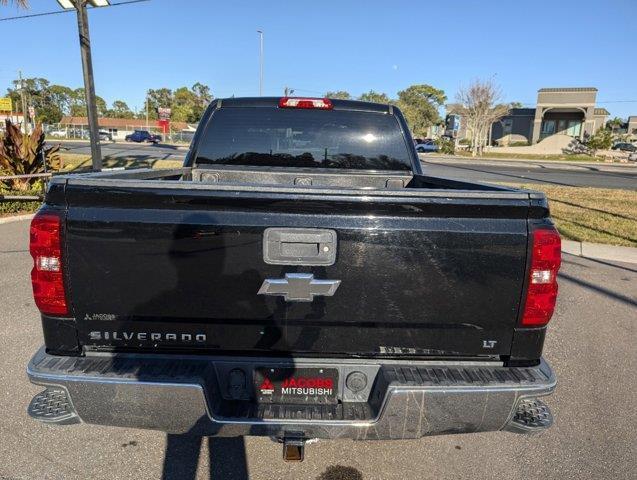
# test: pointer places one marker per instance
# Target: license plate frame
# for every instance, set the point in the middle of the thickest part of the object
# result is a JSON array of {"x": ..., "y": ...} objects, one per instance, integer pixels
[{"x": 296, "y": 385}]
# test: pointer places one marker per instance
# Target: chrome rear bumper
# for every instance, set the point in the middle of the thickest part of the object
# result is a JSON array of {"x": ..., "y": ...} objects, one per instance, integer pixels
[{"x": 403, "y": 399}]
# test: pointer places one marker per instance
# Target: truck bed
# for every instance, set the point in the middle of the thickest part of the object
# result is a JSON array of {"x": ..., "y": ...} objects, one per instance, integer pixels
[{"x": 324, "y": 180}]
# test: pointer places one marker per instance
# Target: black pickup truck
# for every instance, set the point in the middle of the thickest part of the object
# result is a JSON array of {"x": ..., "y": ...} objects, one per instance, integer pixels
[{"x": 299, "y": 277}]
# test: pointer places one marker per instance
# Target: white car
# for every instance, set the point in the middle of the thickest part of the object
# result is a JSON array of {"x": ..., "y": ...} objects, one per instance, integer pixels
[{"x": 58, "y": 133}]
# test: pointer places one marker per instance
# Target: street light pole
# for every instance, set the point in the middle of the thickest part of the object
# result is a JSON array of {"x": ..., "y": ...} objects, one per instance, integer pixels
[
  {"x": 89, "y": 85},
  {"x": 146, "y": 109},
  {"x": 260, "y": 32}
]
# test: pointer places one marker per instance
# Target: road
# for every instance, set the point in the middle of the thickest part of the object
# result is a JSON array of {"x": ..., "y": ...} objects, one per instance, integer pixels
[
  {"x": 547, "y": 172},
  {"x": 591, "y": 345},
  {"x": 603, "y": 176},
  {"x": 125, "y": 149}
]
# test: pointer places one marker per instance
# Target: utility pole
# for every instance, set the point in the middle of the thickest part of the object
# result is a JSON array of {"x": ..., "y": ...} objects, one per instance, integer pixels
[
  {"x": 260, "y": 32},
  {"x": 89, "y": 85},
  {"x": 24, "y": 103},
  {"x": 288, "y": 91}
]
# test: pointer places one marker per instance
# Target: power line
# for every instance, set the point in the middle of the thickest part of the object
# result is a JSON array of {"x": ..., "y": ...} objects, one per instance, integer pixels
[
  {"x": 531, "y": 104},
  {"x": 20, "y": 17}
]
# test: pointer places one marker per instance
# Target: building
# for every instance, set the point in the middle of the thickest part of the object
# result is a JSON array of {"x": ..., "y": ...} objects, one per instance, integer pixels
[
  {"x": 119, "y": 127},
  {"x": 15, "y": 118},
  {"x": 631, "y": 128},
  {"x": 570, "y": 111}
]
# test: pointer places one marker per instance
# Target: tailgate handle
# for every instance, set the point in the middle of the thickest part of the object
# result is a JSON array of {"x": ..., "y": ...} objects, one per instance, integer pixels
[{"x": 299, "y": 246}]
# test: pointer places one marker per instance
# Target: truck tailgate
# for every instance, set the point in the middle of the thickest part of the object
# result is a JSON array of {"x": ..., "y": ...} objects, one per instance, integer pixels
[{"x": 176, "y": 269}]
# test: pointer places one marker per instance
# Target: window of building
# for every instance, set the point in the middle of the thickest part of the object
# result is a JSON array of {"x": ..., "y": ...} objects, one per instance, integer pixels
[
  {"x": 548, "y": 127},
  {"x": 561, "y": 126},
  {"x": 574, "y": 128}
]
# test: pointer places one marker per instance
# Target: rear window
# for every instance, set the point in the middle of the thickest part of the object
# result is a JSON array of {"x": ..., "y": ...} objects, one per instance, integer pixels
[{"x": 280, "y": 137}]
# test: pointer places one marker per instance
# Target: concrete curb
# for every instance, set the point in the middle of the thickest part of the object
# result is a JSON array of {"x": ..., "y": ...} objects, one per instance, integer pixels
[
  {"x": 599, "y": 251},
  {"x": 16, "y": 218}
]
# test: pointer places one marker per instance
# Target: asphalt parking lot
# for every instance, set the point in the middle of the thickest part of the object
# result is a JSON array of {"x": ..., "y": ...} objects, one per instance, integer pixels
[{"x": 591, "y": 346}]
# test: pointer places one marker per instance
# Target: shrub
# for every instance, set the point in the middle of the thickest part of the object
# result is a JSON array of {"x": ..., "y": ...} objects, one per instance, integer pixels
[
  {"x": 446, "y": 146},
  {"x": 602, "y": 140},
  {"x": 13, "y": 206},
  {"x": 464, "y": 141},
  {"x": 22, "y": 154}
]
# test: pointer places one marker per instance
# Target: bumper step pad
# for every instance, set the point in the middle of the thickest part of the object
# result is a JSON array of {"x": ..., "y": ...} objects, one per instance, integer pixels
[
  {"x": 53, "y": 406},
  {"x": 532, "y": 415}
]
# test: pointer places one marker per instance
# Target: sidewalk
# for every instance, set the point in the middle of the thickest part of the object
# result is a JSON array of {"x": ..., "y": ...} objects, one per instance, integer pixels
[{"x": 600, "y": 251}]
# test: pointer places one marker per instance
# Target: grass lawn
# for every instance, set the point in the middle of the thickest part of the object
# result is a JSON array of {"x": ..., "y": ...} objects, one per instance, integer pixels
[
  {"x": 597, "y": 215},
  {"x": 531, "y": 156}
]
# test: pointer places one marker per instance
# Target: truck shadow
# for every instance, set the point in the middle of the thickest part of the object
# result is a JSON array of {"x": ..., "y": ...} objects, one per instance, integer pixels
[
  {"x": 226, "y": 457},
  {"x": 193, "y": 243}
]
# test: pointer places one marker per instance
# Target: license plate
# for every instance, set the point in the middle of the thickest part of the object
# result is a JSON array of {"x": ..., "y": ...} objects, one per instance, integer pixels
[{"x": 296, "y": 385}]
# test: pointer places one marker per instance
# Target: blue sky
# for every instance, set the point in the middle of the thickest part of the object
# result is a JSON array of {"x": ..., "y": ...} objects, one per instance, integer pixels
[{"x": 336, "y": 45}]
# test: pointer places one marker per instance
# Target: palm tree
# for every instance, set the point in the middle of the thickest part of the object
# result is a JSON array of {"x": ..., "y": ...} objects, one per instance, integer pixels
[{"x": 615, "y": 124}]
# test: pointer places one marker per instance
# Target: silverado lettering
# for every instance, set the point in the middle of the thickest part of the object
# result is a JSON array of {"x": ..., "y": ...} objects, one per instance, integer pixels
[{"x": 143, "y": 336}]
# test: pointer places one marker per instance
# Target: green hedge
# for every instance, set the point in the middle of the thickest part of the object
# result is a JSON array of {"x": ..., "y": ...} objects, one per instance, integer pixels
[{"x": 17, "y": 207}]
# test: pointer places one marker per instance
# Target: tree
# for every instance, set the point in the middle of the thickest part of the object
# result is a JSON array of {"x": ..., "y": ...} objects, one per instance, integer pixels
[
  {"x": 48, "y": 101},
  {"x": 78, "y": 104},
  {"x": 375, "y": 97},
  {"x": 420, "y": 104},
  {"x": 120, "y": 110},
  {"x": 615, "y": 124},
  {"x": 186, "y": 104},
  {"x": 203, "y": 96},
  {"x": 184, "y": 101},
  {"x": 479, "y": 108},
  {"x": 159, "y": 98},
  {"x": 19, "y": 3},
  {"x": 515, "y": 105},
  {"x": 340, "y": 94},
  {"x": 60, "y": 98},
  {"x": 601, "y": 140}
]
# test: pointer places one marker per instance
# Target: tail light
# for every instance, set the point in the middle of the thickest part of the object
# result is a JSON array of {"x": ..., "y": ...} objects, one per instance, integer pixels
[
  {"x": 46, "y": 276},
  {"x": 546, "y": 256},
  {"x": 297, "y": 102}
]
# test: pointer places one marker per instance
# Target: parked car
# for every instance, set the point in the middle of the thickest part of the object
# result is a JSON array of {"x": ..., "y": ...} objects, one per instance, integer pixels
[
  {"x": 625, "y": 147},
  {"x": 61, "y": 133},
  {"x": 78, "y": 133},
  {"x": 143, "y": 136},
  {"x": 105, "y": 135},
  {"x": 325, "y": 288},
  {"x": 428, "y": 145}
]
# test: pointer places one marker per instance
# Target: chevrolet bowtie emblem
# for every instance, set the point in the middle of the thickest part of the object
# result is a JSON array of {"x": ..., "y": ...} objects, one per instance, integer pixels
[{"x": 298, "y": 287}]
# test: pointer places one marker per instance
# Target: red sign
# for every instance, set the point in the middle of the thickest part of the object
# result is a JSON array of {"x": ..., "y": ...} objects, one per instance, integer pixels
[
  {"x": 164, "y": 113},
  {"x": 164, "y": 124}
]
